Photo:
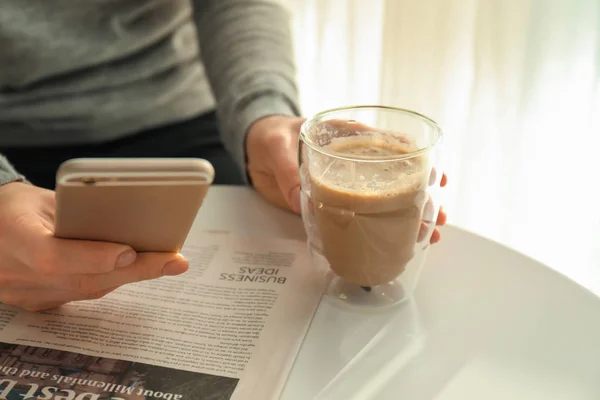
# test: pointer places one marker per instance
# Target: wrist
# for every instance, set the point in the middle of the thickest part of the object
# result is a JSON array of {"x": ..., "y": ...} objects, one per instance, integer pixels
[{"x": 266, "y": 123}]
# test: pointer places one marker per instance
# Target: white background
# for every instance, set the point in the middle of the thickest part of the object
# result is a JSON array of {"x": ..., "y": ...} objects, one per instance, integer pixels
[{"x": 515, "y": 84}]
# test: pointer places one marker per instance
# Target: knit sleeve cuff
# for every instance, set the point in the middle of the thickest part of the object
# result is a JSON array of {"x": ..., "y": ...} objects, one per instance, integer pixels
[
  {"x": 262, "y": 106},
  {"x": 8, "y": 174}
]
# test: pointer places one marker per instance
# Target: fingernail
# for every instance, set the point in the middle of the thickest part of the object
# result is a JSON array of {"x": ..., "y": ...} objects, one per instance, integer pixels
[
  {"x": 175, "y": 267},
  {"x": 432, "y": 177},
  {"x": 126, "y": 258},
  {"x": 295, "y": 200},
  {"x": 428, "y": 212}
]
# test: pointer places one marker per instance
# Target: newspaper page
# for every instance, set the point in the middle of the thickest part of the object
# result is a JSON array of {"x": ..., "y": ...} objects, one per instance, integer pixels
[{"x": 230, "y": 328}]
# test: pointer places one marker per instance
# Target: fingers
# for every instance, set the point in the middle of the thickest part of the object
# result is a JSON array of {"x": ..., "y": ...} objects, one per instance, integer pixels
[
  {"x": 286, "y": 171},
  {"x": 441, "y": 218},
  {"x": 57, "y": 290},
  {"x": 428, "y": 210},
  {"x": 147, "y": 266},
  {"x": 272, "y": 149},
  {"x": 266, "y": 184},
  {"x": 426, "y": 223},
  {"x": 423, "y": 231},
  {"x": 435, "y": 236},
  {"x": 89, "y": 257},
  {"x": 343, "y": 124},
  {"x": 35, "y": 246},
  {"x": 433, "y": 177},
  {"x": 39, "y": 271},
  {"x": 353, "y": 128},
  {"x": 53, "y": 256}
]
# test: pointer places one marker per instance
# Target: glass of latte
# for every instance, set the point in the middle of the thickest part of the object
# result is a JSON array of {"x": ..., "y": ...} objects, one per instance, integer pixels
[{"x": 370, "y": 179}]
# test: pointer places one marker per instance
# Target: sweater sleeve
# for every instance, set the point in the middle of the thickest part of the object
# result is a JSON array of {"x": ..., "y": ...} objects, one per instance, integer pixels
[
  {"x": 8, "y": 173},
  {"x": 247, "y": 50}
]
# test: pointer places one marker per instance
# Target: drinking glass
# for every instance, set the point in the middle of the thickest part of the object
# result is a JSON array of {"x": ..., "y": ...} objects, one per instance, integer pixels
[{"x": 370, "y": 180}]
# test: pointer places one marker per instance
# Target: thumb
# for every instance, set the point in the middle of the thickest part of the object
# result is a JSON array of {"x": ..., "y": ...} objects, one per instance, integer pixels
[
  {"x": 287, "y": 175},
  {"x": 54, "y": 256}
]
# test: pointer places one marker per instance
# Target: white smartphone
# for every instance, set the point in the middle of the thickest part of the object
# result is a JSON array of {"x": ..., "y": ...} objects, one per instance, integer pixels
[{"x": 147, "y": 203}]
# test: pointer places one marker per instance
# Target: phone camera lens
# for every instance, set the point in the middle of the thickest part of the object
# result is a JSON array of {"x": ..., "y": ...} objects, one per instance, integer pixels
[{"x": 88, "y": 181}]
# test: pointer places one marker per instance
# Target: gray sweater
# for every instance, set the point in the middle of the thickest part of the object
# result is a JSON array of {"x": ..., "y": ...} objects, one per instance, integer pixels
[{"x": 79, "y": 72}]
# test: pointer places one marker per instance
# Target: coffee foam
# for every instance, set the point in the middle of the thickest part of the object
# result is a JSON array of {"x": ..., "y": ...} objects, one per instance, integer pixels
[{"x": 362, "y": 173}]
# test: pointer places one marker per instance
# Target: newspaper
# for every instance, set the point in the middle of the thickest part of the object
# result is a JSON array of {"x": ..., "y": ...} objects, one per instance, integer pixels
[{"x": 230, "y": 328}]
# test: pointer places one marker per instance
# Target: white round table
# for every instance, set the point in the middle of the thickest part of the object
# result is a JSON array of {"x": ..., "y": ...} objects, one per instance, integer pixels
[{"x": 486, "y": 323}]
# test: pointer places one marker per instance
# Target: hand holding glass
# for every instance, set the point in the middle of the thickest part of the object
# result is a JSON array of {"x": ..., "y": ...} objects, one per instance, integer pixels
[{"x": 369, "y": 184}]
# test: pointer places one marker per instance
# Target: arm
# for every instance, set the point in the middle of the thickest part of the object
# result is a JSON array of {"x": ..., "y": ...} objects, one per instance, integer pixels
[
  {"x": 8, "y": 173},
  {"x": 246, "y": 47}
]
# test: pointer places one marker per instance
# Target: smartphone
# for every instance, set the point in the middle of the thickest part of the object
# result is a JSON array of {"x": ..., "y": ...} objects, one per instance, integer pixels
[{"x": 147, "y": 203}]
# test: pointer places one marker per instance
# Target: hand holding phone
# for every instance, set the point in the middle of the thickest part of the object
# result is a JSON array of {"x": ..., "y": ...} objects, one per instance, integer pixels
[
  {"x": 39, "y": 271},
  {"x": 149, "y": 204}
]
